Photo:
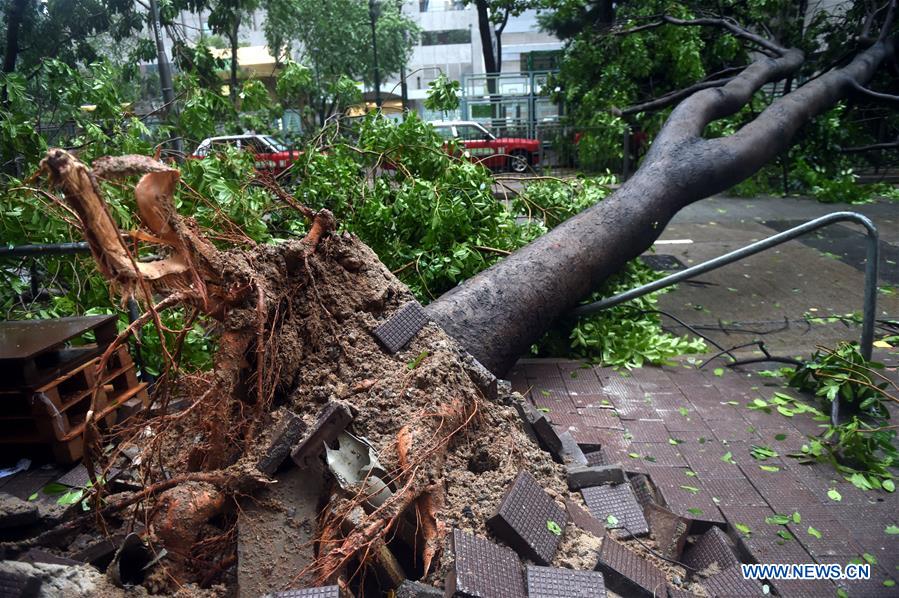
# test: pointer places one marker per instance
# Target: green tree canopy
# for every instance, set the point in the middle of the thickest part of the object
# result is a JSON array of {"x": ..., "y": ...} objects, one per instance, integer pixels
[{"x": 332, "y": 40}]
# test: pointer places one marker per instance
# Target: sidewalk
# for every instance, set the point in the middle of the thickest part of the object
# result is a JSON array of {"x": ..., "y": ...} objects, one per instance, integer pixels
[{"x": 691, "y": 432}]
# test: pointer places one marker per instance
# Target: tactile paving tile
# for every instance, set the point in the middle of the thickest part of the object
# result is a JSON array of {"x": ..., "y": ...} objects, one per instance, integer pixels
[
  {"x": 549, "y": 582},
  {"x": 732, "y": 584},
  {"x": 523, "y": 520},
  {"x": 642, "y": 489},
  {"x": 617, "y": 500},
  {"x": 713, "y": 547},
  {"x": 595, "y": 458},
  {"x": 484, "y": 570},
  {"x": 401, "y": 327},
  {"x": 584, "y": 520},
  {"x": 14, "y": 585},
  {"x": 628, "y": 574},
  {"x": 733, "y": 492},
  {"x": 322, "y": 592}
]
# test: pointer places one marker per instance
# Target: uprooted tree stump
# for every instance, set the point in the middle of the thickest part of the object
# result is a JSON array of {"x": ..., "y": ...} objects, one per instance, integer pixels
[{"x": 295, "y": 323}]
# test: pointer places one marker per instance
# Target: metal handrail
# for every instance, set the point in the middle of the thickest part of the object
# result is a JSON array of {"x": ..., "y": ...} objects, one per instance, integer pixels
[{"x": 871, "y": 263}]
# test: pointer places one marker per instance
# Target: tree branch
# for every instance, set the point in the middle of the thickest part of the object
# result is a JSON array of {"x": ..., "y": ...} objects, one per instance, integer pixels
[
  {"x": 727, "y": 24},
  {"x": 874, "y": 95},
  {"x": 871, "y": 148},
  {"x": 677, "y": 95}
]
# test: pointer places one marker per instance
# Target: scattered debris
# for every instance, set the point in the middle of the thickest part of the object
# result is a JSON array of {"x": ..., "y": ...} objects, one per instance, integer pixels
[
  {"x": 627, "y": 574},
  {"x": 617, "y": 506},
  {"x": 284, "y": 436},
  {"x": 529, "y": 520},
  {"x": 550, "y": 582},
  {"x": 15, "y": 512},
  {"x": 584, "y": 476},
  {"x": 668, "y": 530},
  {"x": 483, "y": 569},
  {"x": 332, "y": 420}
]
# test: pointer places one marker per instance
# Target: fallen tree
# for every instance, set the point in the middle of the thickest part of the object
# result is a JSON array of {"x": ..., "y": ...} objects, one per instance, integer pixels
[
  {"x": 499, "y": 313},
  {"x": 295, "y": 319}
]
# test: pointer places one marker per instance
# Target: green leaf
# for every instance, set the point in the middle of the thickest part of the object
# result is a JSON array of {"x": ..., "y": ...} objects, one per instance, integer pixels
[
  {"x": 797, "y": 518},
  {"x": 633, "y": 455},
  {"x": 675, "y": 441},
  {"x": 892, "y": 529},
  {"x": 743, "y": 528},
  {"x": 719, "y": 371},
  {"x": 691, "y": 489},
  {"x": 813, "y": 532},
  {"x": 690, "y": 473},
  {"x": 543, "y": 409},
  {"x": 683, "y": 411},
  {"x": 841, "y": 593},
  {"x": 888, "y": 583},
  {"x": 784, "y": 411},
  {"x": 777, "y": 520},
  {"x": 780, "y": 437},
  {"x": 611, "y": 521},
  {"x": 417, "y": 361},
  {"x": 888, "y": 485},
  {"x": 545, "y": 393},
  {"x": 769, "y": 467},
  {"x": 869, "y": 558},
  {"x": 553, "y": 527},
  {"x": 832, "y": 494},
  {"x": 695, "y": 511},
  {"x": 785, "y": 534},
  {"x": 70, "y": 498},
  {"x": 728, "y": 458},
  {"x": 33, "y": 496},
  {"x": 54, "y": 489}
]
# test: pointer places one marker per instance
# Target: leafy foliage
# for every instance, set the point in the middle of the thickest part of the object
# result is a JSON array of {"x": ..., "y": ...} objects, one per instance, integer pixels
[{"x": 862, "y": 448}]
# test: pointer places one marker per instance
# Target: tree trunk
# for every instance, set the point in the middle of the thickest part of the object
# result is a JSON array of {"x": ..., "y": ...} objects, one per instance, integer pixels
[
  {"x": 500, "y": 312},
  {"x": 14, "y": 15},
  {"x": 234, "y": 39},
  {"x": 485, "y": 29}
]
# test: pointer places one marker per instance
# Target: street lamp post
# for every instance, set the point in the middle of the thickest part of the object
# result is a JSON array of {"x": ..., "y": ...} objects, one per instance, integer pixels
[{"x": 374, "y": 8}]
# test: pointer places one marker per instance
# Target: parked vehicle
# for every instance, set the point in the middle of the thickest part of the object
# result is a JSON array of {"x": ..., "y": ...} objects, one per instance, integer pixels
[
  {"x": 271, "y": 155},
  {"x": 514, "y": 153}
]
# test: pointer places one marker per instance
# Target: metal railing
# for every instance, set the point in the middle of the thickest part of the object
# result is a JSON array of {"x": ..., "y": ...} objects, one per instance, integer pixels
[{"x": 871, "y": 263}]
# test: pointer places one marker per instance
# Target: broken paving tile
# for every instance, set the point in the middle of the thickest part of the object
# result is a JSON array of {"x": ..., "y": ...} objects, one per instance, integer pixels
[
  {"x": 643, "y": 490},
  {"x": 571, "y": 452},
  {"x": 618, "y": 501},
  {"x": 416, "y": 589},
  {"x": 321, "y": 592},
  {"x": 77, "y": 477},
  {"x": 580, "y": 476},
  {"x": 276, "y": 531},
  {"x": 627, "y": 573},
  {"x": 284, "y": 436},
  {"x": 550, "y": 582},
  {"x": 481, "y": 376},
  {"x": 668, "y": 530},
  {"x": 19, "y": 585},
  {"x": 679, "y": 593},
  {"x": 712, "y": 548},
  {"x": 529, "y": 520},
  {"x": 547, "y": 437},
  {"x": 36, "y": 555},
  {"x": 481, "y": 569},
  {"x": 732, "y": 584},
  {"x": 401, "y": 327},
  {"x": 15, "y": 512},
  {"x": 331, "y": 421},
  {"x": 584, "y": 520}
]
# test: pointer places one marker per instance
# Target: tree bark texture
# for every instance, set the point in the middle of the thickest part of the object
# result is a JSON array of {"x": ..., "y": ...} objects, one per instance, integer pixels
[{"x": 500, "y": 312}]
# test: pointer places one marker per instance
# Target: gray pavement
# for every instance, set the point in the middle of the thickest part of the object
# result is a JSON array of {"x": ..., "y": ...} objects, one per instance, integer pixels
[{"x": 784, "y": 296}]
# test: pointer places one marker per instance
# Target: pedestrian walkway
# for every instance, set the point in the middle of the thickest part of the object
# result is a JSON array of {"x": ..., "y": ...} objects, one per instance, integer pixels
[{"x": 693, "y": 433}]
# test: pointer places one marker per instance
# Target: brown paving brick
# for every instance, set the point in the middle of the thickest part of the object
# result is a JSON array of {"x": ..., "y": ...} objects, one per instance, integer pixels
[
  {"x": 583, "y": 381},
  {"x": 870, "y": 588},
  {"x": 733, "y": 492},
  {"x": 804, "y": 588},
  {"x": 627, "y": 574},
  {"x": 692, "y": 422},
  {"x": 616, "y": 387},
  {"x": 711, "y": 548},
  {"x": 659, "y": 453},
  {"x": 734, "y": 429},
  {"x": 648, "y": 431},
  {"x": 835, "y": 538},
  {"x": 706, "y": 461},
  {"x": 540, "y": 368},
  {"x": 731, "y": 584},
  {"x": 636, "y": 410},
  {"x": 664, "y": 399},
  {"x": 583, "y": 399},
  {"x": 787, "y": 496},
  {"x": 754, "y": 517},
  {"x": 617, "y": 500}
]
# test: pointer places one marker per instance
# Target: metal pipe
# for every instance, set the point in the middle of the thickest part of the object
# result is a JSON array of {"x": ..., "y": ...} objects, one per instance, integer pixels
[
  {"x": 871, "y": 264},
  {"x": 44, "y": 249}
]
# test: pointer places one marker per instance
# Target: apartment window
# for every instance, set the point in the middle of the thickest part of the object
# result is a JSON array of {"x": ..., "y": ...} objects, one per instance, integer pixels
[
  {"x": 440, "y": 5},
  {"x": 447, "y": 36}
]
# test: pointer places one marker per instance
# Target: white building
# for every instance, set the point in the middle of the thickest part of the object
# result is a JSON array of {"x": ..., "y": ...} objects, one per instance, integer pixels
[{"x": 449, "y": 43}]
